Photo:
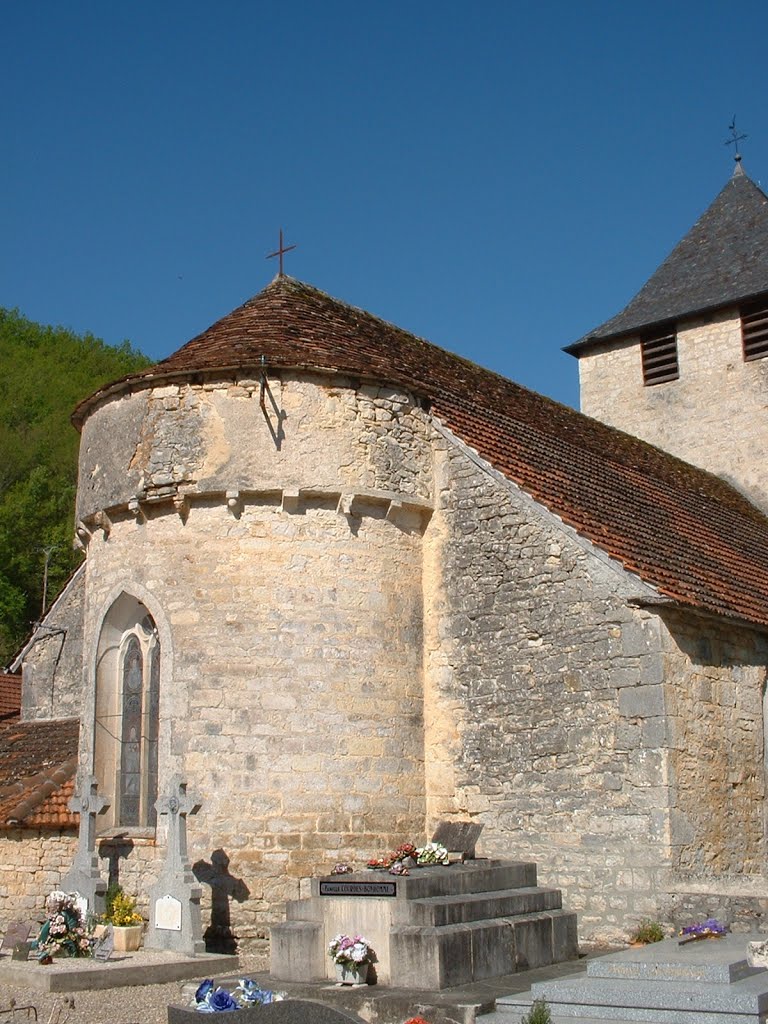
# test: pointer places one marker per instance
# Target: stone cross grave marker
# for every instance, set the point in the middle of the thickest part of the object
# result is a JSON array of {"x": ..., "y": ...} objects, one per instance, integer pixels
[
  {"x": 174, "y": 900},
  {"x": 84, "y": 876},
  {"x": 458, "y": 837}
]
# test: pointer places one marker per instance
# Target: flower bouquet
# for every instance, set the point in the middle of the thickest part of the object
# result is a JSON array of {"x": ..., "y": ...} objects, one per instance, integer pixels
[
  {"x": 431, "y": 853},
  {"x": 352, "y": 957},
  {"x": 64, "y": 933}
]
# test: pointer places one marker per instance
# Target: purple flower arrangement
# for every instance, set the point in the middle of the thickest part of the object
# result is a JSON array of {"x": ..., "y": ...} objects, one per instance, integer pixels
[{"x": 709, "y": 929}]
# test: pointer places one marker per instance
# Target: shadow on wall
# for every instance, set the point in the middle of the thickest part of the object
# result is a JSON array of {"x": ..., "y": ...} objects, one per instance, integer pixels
[
  {"x": 114, "y": 850},
  {"x": 219, "y": 937}
]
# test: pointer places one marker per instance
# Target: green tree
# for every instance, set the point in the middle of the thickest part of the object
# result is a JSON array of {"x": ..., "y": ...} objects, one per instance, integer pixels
[{"x": 46, "y": 371}]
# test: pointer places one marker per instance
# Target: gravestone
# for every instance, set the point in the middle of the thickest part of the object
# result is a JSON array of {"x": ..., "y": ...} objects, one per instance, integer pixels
[
  {"x": 17, "y": 940},
  {"x": 458, "y": 837},
  {"x": 174, "y": 900},
  {"x": 105, "y": 945},
  {"x": 84, "y": 877}
]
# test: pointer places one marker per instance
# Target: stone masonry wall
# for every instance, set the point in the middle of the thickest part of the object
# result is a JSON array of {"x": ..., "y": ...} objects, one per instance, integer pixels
[
  {"x": 52, "y": 672},
  {"x": 311, "y": 433},
  {"x": 544, "y": 699},
  {"x": 32, "y": 862},
  {"x": 716, "y": 680},
  {"x": 713, "y": 416}
]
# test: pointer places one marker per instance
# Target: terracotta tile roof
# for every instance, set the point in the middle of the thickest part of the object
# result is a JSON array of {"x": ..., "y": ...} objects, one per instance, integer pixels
[
  {"x": 681, "y": 529},
  {"x": 721, "y": 261},
  {"x": 10, "y": 696},
  {"x": 38, "y": 761}
]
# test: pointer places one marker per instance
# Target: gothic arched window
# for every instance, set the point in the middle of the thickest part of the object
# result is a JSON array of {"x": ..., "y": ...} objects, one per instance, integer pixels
[{"x": 127, "y": 713}]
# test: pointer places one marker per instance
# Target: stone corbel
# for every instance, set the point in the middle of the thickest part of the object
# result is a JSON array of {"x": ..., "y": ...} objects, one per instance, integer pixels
[
  {"x": 103, "y": 522},
  {"x": 291, "y": 501},
  {"x": 181, "y": 504},
  {"x": 234, "y": 503},
  {"x": 82, "y": 532},
  {"x": 395, "y": 511},
  {"x": 135, "y": 509},
  {"x": 344, "y": 507}
]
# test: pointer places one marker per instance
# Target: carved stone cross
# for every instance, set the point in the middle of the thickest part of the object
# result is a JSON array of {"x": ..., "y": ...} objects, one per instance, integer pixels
[
  {"x": 176, "y": 885},
  {"x": 177, "y": 805},
  {"x": 88, "y": 803},
  {"x": 84, "y": 876}
]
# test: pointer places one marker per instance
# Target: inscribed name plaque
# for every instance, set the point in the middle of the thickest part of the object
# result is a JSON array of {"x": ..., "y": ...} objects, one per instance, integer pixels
[
  {"x": 104, "y": 946},
  {"x": 81, "y": 902},
  {"x": 168, "y": 913},
  {"x": 358, "y": 888}
]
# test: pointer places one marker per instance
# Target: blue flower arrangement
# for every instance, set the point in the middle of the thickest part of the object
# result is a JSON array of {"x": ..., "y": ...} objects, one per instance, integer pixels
[{"x": 215, "y": 999}]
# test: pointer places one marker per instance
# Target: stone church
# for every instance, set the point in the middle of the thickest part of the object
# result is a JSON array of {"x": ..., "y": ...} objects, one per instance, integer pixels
[{"x": 348, "y": 584}]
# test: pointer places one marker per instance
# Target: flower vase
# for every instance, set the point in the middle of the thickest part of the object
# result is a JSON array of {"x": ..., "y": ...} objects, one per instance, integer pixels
[{"x": 347, "y": 975}]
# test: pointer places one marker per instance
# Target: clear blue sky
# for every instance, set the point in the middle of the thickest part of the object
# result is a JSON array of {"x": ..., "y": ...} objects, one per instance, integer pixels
[{"x": 496, "y": 177}]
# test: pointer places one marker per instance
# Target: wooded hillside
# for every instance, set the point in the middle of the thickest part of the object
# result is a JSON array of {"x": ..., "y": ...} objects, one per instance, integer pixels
[{"x": 44, "y": 373}]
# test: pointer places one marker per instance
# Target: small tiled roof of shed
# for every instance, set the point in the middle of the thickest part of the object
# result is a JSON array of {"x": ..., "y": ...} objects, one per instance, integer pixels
[
  {"x": 38, "y": 762},
  {"x": 681, "y": 529},
  {"x": 723, "y": 260},
  {"x": 10, "y": 696}
]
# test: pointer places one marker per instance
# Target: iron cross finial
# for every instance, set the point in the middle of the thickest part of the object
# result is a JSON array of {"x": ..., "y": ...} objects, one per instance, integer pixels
[
  {"x": 735, "y": 139},
  {"x": 279, "y": 252}
]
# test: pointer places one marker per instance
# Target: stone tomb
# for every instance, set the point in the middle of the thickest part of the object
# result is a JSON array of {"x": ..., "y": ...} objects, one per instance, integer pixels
[
  {"x": 436, "y": 928},
  {"x": 289, "y": 1011},
  {"x": 705, "y": 982}
]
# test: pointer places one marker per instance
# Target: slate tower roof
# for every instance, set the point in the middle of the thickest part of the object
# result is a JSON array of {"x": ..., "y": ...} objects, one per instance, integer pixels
[
  {"x": 722, "y": 261},
  {"x": 681, "y": 529}
]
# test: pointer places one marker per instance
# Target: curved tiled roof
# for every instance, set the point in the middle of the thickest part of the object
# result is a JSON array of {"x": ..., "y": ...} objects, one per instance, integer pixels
[
  {"x": 723, "y": 260},
  {"x": 682, "y": 530},
  {"x": 38, "y": 761}
]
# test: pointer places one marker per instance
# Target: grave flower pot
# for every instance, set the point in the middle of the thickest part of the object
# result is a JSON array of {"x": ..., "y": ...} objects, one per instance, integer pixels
[
  {"x": 357, "y": 975},
  {"x": 127, "y": 937}
]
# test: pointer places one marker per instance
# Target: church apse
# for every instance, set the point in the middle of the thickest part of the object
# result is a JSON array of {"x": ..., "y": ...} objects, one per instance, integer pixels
[{"x": 289, "y": 570}]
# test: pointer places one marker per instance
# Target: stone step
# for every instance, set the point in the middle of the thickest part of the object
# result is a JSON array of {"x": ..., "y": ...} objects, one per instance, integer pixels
[
  {"x": 662, "y": 1002},
  {"x": 478, "y": 906},
  {"x": 722, "y": 961},
  {"x": 422, "y": 883},
  {"x": 422, "y": 956},
  {"x": 511, "y": 1009}
]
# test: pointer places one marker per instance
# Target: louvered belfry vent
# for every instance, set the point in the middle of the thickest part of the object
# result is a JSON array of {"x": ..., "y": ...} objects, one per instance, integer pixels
[
  {"x": 754, "y": 329},
  {"x": 660, "y": 357}
]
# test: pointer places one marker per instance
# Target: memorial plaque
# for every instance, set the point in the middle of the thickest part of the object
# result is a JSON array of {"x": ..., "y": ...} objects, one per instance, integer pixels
[
  {"x": 458, "y": 837},
  {"x": 104, "y": 946},
  {"x": 21, "y": 951},
  {"x": 358, "y": 888},
  {"x": 168, "y": 913},
  {"x": 16, "y": 932}
]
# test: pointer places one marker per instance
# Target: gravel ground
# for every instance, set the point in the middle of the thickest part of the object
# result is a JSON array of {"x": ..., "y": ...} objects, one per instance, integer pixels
[{"x": 133, "y": 1004}]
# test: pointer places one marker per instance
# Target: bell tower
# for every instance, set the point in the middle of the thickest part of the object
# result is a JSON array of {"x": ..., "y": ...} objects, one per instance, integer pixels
[{"x": 684, "y": 365}]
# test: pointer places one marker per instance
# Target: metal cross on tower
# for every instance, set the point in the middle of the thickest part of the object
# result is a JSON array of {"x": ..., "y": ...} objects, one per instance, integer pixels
[
  {"x": 735, "y": 139},
  {"x": 280, "y": 251}
]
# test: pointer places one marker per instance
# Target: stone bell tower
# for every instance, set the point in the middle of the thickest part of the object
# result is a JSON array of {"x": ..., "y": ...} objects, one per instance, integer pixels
[{"x": 685, "y": 365}]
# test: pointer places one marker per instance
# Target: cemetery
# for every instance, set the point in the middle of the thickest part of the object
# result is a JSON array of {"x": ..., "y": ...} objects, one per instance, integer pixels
[{"x": 432, "y": 927}]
